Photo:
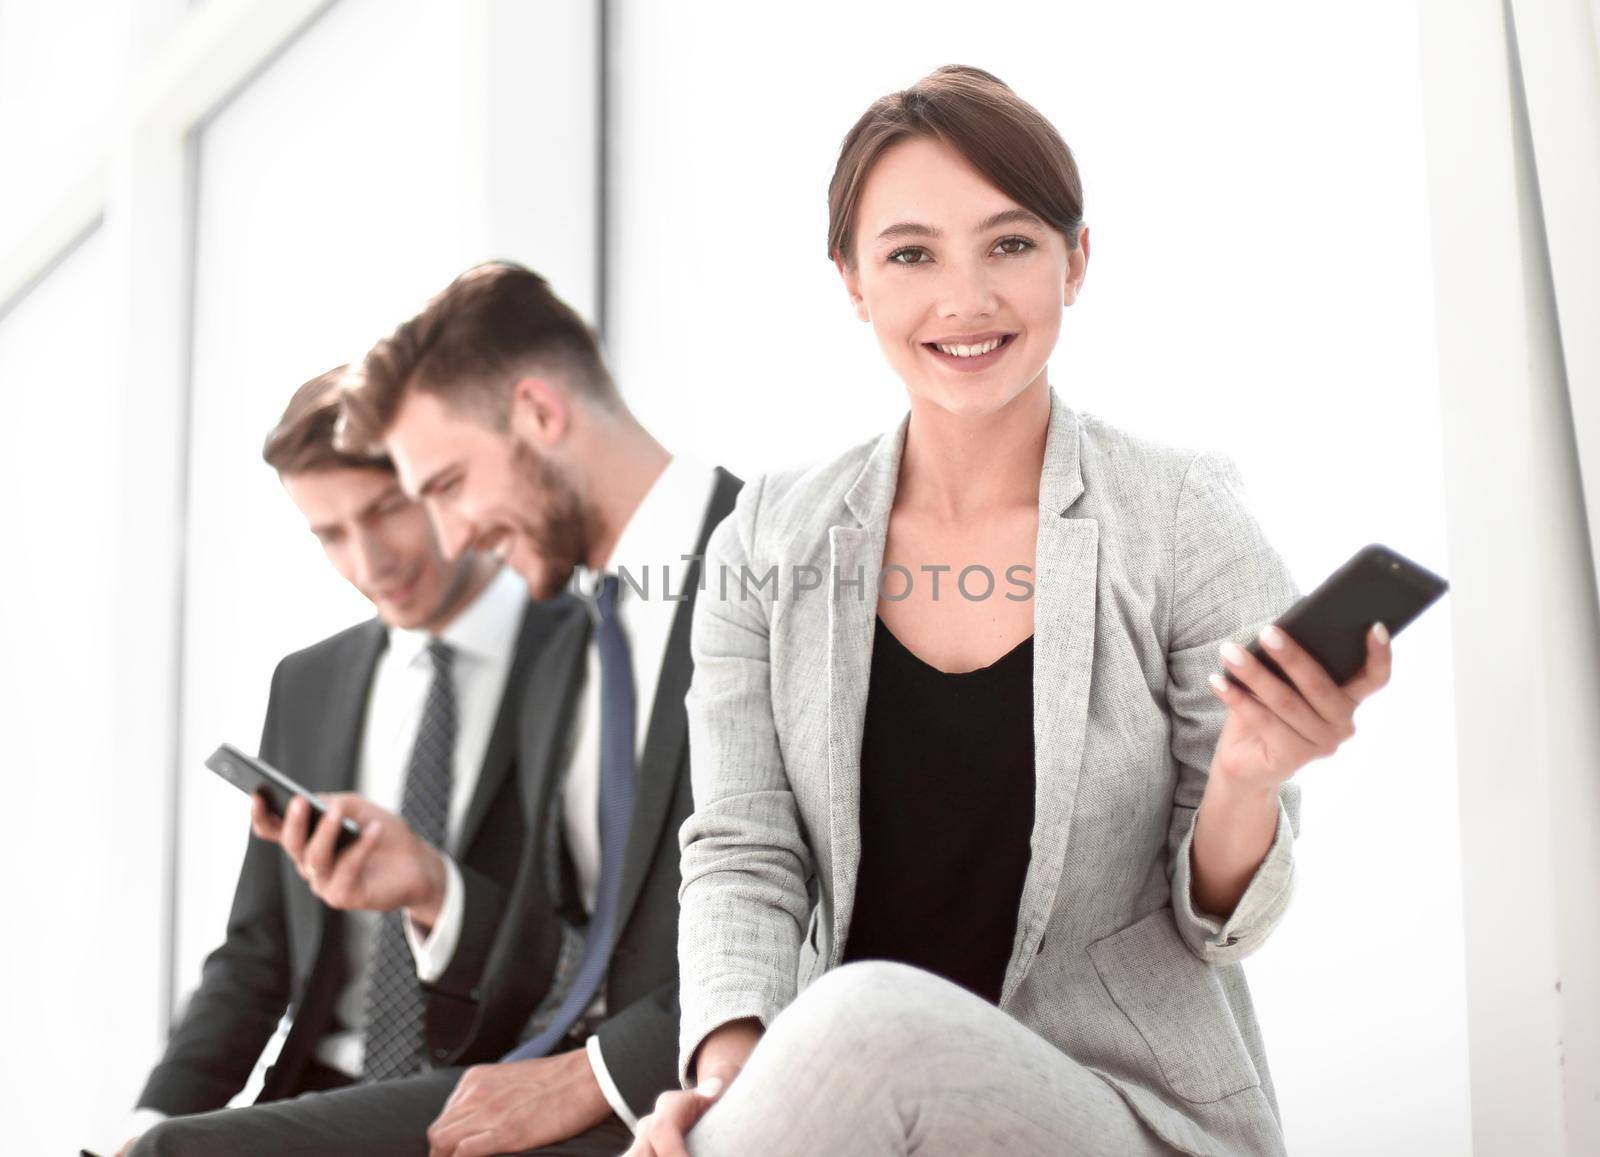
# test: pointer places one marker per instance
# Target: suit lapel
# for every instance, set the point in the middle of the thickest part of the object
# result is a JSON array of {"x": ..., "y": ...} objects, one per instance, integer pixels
[
  {"x": 548, "y": 703},
  {"x": 1065, "y": 570},
  {"x": 662, "y": 756},
  {"x": 332, "y": 756},
  {"x": 500, "y": 756},
  {"x": 855, "y": 552},
  {"x": 332, "y": 746}
]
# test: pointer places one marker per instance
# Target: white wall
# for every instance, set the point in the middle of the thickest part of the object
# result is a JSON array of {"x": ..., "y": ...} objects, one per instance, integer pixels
[{"x": 1259, "y": 282}]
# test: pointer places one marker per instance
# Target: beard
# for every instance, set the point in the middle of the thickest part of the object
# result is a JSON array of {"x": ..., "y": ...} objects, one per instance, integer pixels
[{"x": 556, "y": 527}]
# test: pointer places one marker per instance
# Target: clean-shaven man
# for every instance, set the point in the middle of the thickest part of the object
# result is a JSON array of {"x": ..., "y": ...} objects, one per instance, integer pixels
[
  {"x": 416, "y": 710},
  {"x": 502, "y": 419}
]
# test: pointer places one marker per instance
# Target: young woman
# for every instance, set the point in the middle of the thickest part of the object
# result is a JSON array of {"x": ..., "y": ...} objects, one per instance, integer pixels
[{"x": 978, "y": 846}]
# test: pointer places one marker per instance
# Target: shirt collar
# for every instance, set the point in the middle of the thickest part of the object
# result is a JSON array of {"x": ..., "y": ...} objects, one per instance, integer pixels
[
  {"x": 663, "y": 528},
  {"x": 486, "y": 628}
]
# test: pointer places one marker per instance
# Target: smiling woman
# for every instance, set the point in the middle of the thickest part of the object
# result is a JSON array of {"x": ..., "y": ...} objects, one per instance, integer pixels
[{"x": 990, "y": 891}]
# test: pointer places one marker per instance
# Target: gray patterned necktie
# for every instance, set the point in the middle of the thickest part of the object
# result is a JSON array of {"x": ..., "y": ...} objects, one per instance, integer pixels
[{"x": 394, "y": 1045}]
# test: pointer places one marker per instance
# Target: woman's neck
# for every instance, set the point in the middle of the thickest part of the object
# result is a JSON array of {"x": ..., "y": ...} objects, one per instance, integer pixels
[{"x": 957, "y": 468}]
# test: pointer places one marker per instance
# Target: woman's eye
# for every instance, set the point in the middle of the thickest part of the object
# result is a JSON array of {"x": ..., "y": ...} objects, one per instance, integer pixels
[
  {"x": 1013, "y": 245},
  {"x": 910, "y": 255}
]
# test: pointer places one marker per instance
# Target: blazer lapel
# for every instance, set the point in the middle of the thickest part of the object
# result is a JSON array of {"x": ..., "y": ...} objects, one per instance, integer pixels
[
  {"x": 327, "y": 762},
  {"x": 332, "y": 756},
  {"x": 548, "y": 702},
  {"x": 662, "y": 756},
  {"x": 855, "y": 552},
  {"x": 1065, "y": 572},
  {"x": 501, "y": 754}
]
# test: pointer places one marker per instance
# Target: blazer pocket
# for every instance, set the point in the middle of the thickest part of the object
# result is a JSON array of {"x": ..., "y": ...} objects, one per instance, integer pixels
[{"x": 1177, "y": 1005}]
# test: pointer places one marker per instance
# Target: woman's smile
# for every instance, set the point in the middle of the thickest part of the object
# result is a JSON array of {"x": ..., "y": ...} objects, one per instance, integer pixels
[{"x": 970, "y": 354}]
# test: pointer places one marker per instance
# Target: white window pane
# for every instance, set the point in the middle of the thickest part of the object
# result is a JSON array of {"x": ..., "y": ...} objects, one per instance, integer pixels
[
  {"x": 81, "y": 879},
  {"x": 62, "y": 62}
]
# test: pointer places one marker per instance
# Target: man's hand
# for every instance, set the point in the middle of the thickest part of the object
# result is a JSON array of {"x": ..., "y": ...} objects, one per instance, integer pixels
[
  {"x": 388, "y": 867},
  {"x": 127, "y": 1146},
  {"x": 517, "y": 1105}
]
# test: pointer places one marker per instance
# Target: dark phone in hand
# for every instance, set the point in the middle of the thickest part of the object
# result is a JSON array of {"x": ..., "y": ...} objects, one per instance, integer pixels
[
  {"x": 1377, "y": 585},
  {"x": 257, "y": 777}
]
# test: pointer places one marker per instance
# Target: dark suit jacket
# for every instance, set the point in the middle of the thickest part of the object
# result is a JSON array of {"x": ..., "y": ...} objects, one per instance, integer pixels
[
  {"x": 511, "y": 937},
  {"x": 284, "y": 948}
]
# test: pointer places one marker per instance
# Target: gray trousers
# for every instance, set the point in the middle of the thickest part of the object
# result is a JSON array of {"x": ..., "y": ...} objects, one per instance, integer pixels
[
  {"x": 881, "y": 1059},
  {"x": 389, "y": 1118}
]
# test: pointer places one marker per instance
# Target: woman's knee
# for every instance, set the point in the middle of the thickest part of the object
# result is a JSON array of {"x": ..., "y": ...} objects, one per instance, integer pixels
[
  {"x": 885, "y": 987},
  {"x": 172, "y": 1138},
  {"x": 872, "y": 1006}
]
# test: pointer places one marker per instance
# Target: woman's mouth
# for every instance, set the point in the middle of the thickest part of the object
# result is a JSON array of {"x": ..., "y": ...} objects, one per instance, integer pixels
[{"x": 969, "y": 355}]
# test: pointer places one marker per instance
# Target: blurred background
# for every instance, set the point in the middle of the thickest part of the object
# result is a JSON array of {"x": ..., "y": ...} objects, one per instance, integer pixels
[{"x": 1354, "y": 245}]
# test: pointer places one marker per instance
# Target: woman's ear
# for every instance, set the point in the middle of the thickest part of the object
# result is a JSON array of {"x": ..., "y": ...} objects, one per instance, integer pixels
[
  {"x": 852, "y": 286},
  {"x": 1077, "y": 267}
]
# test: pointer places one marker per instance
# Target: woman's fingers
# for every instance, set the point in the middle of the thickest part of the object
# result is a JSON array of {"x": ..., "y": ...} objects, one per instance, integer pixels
[
  {"x": 1282, "y": 745},
  {"x": 663, "y": 1132},
  {"x": 1331, "y": 702},
  {"x": 1279, "y": 697},
  {"x": 1375, "y": 674}
]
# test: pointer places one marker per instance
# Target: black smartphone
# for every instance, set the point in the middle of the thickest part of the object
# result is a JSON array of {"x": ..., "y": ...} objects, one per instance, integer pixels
[
  {"x": 1377, "y": 585},
  {"x": 257, "y": 777}
]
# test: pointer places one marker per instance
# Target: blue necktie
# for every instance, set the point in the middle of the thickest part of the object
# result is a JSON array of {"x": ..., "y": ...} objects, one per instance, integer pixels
[{"x": 616, "y": 810}]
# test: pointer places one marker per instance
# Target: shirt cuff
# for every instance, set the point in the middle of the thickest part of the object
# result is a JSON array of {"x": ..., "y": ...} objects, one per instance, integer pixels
[
  {"x": 432, "y": 952},
  {"x": 602, "y": 1076},
  {"x": 141, "y": 1121}
]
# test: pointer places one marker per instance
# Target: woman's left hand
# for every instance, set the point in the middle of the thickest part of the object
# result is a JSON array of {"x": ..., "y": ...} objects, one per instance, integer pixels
[{"x": 1278, "y": 727}]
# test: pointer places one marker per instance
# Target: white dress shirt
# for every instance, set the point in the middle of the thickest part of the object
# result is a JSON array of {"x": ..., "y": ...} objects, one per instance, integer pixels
[
  {"x": 483, "y": 635},
  {"x": 650, "y": 549}
]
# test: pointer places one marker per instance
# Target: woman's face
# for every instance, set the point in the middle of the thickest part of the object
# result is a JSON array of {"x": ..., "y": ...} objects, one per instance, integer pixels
[{"x": 963, "y": 287}]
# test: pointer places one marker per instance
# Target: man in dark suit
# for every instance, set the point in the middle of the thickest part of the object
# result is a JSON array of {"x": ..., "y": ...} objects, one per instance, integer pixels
[
  {"x": 346, "y": 714},
  {"x": 501, "y": 417}
]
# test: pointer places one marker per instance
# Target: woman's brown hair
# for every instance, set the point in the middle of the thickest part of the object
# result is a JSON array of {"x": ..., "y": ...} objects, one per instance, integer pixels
[{"x": 974, "y": 112}]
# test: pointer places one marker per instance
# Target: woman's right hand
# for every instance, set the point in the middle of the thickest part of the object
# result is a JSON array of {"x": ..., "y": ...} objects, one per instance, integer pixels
[{"x": 719, "y": 1060}]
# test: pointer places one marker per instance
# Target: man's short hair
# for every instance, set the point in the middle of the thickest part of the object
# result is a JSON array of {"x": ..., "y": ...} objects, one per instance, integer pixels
[
  {"x": 303, "y": 440},
  {"x": 470, "y": 344}
]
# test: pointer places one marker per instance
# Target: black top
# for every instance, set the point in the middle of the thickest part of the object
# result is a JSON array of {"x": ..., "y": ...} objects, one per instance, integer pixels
[{"x": 946, "y": 814}]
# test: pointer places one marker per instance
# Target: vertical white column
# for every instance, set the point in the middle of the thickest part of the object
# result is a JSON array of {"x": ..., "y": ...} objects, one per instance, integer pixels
[
  {"x": 532, "y": 136},
  {"x": 1527, "y": 635}
]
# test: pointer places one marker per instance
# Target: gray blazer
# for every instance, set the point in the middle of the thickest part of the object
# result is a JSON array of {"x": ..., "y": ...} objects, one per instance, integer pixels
[{"x": 1146, "y": 560}]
